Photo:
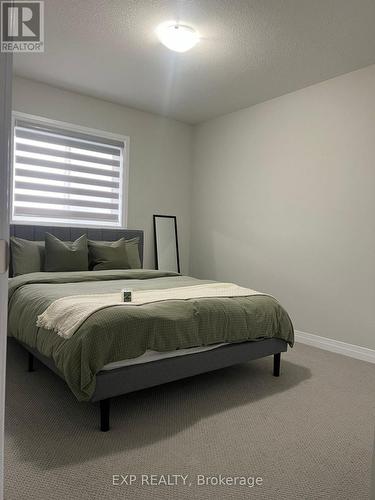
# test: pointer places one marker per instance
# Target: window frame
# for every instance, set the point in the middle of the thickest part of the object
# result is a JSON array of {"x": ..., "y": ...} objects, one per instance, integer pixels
[{"x": 71, "y": 127}]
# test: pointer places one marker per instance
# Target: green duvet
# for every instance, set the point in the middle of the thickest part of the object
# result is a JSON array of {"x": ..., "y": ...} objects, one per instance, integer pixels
[{"x": 118, "y": 333}]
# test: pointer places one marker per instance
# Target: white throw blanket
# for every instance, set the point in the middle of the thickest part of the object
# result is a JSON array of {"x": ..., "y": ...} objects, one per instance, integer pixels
[{"x": 66, "y": 315}]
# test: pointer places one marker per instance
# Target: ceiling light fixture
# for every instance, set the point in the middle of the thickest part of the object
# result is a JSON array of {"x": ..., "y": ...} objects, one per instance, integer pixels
[{"x": 177, "y": 37}]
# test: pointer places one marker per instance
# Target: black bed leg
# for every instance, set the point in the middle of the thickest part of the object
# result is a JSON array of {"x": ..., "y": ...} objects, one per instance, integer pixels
[
  {"x": 104, "y": 414},
  {"x": 31, "y": 363},
  {"x": 276, "y": 364}
]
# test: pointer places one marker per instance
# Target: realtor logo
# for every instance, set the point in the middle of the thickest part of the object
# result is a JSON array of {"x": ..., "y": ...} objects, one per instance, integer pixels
[{"x": 22, "y": 26}]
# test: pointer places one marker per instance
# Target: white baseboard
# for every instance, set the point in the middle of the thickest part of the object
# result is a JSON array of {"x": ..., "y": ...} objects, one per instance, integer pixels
[{"x": 354, "y": 351}]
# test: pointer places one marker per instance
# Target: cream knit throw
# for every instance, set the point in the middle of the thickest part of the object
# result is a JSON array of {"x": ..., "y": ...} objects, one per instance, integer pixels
[{"x": 64, "y": 316}]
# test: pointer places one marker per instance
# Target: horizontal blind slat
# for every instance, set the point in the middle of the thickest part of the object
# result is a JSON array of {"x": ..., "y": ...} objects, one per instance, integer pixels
[
  {"x": 63, "y": 214},
  {"x": 31, "y": 198},
  {"x": 64, "y": 141},
  {"x": 65, "y": 189},
  {"x": 65, "y": 178},
  {"x": 73, "y": 167},
  {"x": 50, "y": 129},
  {"x": 28, "y": 148}
]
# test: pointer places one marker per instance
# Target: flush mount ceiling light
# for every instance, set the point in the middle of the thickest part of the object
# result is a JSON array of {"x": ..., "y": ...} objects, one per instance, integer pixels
[{"x": 177, "y": 37}]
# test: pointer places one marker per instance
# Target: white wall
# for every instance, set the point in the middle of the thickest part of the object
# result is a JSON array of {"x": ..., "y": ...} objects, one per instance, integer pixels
[
  {"x": 160, "y": 162},
  {"x": 284, "y": 201}
]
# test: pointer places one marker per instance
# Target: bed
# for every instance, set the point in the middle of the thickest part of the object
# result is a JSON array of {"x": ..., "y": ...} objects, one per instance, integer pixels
[{"x": 118, "y": 350}]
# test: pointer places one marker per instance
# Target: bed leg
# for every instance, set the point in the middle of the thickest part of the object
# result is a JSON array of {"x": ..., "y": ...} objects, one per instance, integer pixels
[
  {"x": 31, "y": 363},
  {"x": 276, "y": 364},
  {"x": 104, "y": 414}
]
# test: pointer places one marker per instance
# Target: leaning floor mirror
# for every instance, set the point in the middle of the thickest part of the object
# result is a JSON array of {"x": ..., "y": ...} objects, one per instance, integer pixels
[{"x": 166, "y": 243}]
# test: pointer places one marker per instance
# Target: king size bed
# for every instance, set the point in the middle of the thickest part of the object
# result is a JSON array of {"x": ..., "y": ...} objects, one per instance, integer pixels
[{"x": 119, "y": 348}]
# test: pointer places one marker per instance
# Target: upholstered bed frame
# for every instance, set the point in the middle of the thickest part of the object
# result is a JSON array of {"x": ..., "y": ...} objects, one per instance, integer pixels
[{"x": 111, "y": 383}]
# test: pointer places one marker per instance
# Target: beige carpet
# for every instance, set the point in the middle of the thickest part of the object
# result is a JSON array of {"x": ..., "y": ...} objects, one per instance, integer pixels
[{"x": 308, "y": 434}]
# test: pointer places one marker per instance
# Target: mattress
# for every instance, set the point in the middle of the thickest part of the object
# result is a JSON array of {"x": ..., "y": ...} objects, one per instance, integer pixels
[{"x": 150, "y": 356}]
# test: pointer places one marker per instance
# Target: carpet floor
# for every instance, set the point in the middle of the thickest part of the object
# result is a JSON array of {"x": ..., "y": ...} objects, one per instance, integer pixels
[{"x": 308, "y": 435}]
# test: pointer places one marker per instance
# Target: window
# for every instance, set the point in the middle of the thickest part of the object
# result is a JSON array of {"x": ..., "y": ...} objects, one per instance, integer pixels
[{"x": 64, "y": 174}]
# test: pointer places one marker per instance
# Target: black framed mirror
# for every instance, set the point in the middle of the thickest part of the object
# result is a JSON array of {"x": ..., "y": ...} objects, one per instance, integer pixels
[{"x": 166, "y": 243}]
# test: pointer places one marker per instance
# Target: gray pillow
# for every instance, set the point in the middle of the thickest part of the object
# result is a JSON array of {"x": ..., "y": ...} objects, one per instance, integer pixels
[
  {"x": 132, "y": 249},
  {"x": 108, "y": 255},
  {"x": 26, "y": 256},
  {"x": 66, "y": 255}
]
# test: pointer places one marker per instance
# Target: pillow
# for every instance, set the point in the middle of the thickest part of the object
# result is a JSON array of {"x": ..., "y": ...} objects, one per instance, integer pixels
[
  {"x": 108, "y": 255},
  {"x": 27, "y": 256},
  {"x": 132, "y": 249},
  {"x": 66, "y": 255}
]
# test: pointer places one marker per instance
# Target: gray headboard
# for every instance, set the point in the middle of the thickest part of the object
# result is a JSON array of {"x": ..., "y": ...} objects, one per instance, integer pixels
[{"x": 36, "y": 233}]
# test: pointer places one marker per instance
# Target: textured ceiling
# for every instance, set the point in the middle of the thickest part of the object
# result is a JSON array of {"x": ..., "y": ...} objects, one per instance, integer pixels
[{"x": 250, "y": 51}]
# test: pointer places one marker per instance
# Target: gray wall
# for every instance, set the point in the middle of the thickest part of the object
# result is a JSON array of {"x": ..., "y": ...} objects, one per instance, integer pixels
[
  {"x": 281, "y": 195},
  {"x": 160, "y": 149},
  {"x": 284, "y": 202}
]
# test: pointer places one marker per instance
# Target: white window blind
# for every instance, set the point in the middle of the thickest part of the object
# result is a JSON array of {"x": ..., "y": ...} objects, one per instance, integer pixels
[{"x": 64, "y": 176}]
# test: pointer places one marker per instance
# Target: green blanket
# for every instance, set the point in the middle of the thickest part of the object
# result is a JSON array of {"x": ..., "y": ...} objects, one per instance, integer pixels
[{"x": 119, "y": 333}]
